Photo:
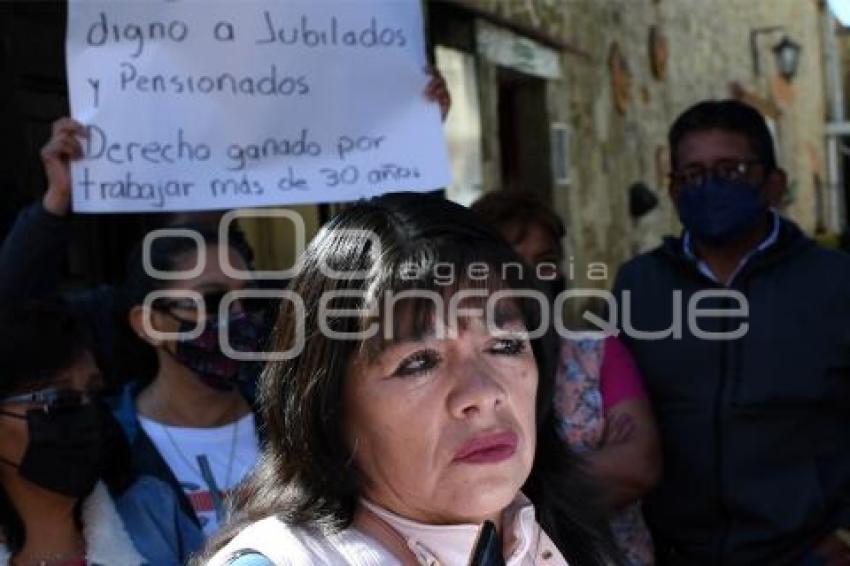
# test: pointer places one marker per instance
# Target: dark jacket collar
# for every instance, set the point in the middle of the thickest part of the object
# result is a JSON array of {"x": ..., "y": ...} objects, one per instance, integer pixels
[{"x": 791, "y": 241}]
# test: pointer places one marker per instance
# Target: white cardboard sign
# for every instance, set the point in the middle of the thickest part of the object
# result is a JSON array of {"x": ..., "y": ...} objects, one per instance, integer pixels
[{"x": 194, "y": 105}]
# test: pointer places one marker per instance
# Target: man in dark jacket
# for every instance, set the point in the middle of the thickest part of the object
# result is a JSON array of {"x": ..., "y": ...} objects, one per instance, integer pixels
[{"x": 741, "y": 329}]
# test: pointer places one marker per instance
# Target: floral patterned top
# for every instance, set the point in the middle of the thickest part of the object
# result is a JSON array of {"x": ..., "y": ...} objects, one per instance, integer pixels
[{"x": 593, "y": 376}]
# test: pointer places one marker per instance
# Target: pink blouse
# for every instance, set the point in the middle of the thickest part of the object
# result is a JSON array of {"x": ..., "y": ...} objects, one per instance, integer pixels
[{"x": 619, "y": 378}]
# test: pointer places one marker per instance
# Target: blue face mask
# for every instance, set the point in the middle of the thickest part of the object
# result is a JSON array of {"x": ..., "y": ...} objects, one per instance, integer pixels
[{"x": 719, "y": 211}]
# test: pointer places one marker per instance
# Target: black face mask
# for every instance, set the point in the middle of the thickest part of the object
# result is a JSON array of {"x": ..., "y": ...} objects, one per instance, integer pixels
[{"x": 65, "y": 453}]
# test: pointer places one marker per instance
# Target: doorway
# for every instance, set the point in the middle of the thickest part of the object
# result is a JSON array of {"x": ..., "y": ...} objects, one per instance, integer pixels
[{"x": 524, "y": 133}]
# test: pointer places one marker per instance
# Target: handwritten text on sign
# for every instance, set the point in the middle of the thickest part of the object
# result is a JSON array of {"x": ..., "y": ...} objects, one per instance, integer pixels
[{"x": 196, "y": 105}]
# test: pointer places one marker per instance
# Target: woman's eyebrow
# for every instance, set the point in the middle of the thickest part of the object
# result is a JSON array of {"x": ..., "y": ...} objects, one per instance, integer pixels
[
  {"x": 379, "y": 343},
  {"x": 415, "y": 335},
  {"x": 508, "y": 316}
]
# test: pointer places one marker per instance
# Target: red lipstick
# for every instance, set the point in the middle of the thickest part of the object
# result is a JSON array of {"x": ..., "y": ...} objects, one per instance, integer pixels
[{"x": 488, "y": 448}]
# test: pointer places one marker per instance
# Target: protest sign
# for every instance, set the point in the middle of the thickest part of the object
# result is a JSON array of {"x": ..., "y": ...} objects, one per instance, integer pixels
[{"x": 194, "y": 105}]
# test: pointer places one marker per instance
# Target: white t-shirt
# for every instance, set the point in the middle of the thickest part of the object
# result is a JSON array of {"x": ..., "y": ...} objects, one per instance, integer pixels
[{"x": 208, "y": 462}]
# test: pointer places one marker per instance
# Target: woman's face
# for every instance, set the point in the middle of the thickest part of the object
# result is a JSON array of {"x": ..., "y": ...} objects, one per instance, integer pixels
[
  {"x": 444, "y": 429},
  {"x": 82, "y": 376}
]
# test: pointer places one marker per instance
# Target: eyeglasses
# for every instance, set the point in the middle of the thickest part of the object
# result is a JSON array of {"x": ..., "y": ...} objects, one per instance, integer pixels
[
  {"x": 724, "y": 170},
  {"x": 52, "y": 399},
  {"x": 210, "y": 304}
]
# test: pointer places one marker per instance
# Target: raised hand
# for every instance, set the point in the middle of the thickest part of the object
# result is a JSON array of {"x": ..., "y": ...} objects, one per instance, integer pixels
[
  {"x": 56, "y": 157},
  {"x": 437, "y": 91}
]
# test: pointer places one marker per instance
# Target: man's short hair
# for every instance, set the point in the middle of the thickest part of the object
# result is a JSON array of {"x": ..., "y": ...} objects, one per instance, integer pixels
[{"x": 728, "y": 115}]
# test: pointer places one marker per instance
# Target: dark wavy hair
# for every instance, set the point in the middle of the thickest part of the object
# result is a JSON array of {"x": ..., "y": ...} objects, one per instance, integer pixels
[
  {"x": 307, "y": 477},
  {"x": 512, "y": 212}
]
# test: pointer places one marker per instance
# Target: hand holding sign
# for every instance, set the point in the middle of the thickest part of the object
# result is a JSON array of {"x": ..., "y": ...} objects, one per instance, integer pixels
[
  {"x": 222, "y": 105},
  {"x": 438, "y": 92},
  {"x": 56, "y": 157}
]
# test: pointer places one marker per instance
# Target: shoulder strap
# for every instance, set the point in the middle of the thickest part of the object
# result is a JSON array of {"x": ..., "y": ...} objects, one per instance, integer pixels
[{"x": 148, "y": 461}]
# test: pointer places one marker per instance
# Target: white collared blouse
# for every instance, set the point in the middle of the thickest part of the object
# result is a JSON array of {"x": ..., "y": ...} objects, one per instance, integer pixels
[{"x": 433, "y": 545}]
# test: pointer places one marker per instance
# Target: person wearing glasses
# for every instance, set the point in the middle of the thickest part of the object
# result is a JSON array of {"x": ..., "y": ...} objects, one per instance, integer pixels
[
  {"x": 183, "y": 404},
  {"x": 184, "y": 410},
  {"x": 60, "y": 465},
  {"x": 188, "y": 422},
  {"x": 744, "y": 344},
  {"x": 32, "y": 254}
]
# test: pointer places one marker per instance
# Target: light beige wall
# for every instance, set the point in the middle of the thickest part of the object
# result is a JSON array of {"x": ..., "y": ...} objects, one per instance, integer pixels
[{"x": 273, "y": 239}]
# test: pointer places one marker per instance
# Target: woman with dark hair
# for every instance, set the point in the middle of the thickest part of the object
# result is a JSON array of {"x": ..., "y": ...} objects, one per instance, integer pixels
[
  {"x": 55, "y": 446},
  {"x": 415, "y": 405},
  {"x": 190, "y": 427},
  {"x": 601, "y": 405}
]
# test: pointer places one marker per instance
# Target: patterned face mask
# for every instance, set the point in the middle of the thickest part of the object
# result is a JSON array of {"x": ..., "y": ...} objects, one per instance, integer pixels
[{"x": 203, "y": 354}]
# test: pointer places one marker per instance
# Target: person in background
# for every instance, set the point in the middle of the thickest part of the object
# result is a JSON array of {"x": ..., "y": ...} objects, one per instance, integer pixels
[
  {"x": 602, "y": 408},
  {"x": 32, "y": 256},
  {"x": 182, "y": 402},
  {"x": 59, "y": 464},
  {"x": 752, "y": 401},
  {"x": 392, "y": 440},
  {"x": 187, "y": 421}
]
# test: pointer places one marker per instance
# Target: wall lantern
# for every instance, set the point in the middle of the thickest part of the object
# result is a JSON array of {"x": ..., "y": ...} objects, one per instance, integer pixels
[{"x": 786, "y": 52}]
